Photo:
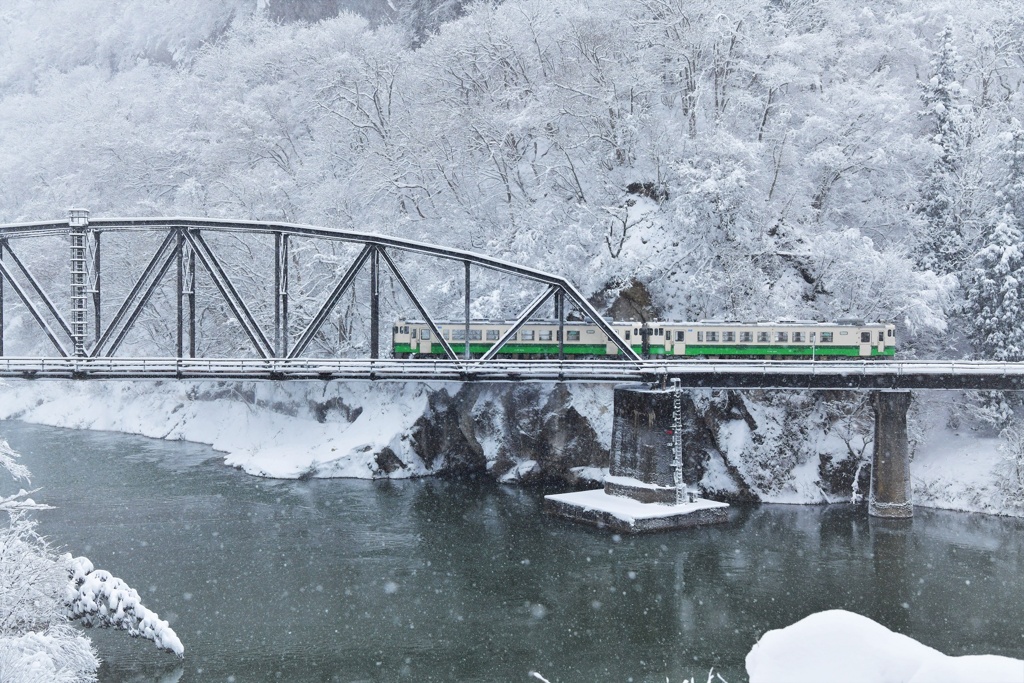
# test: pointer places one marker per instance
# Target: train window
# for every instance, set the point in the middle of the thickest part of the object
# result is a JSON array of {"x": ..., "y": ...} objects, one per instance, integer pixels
[
  {"x": 476, "y": 335},
  {"x": 515, "y": 336},
  {"x": 627, "y": 335},
  {"x": 492, "y": 335},
  {"x": 394, "y": 330},
  {"x": 679, "y": 335},
  {"x": 660, "y": 331},
  {"x": 890, "y": 332},
  {"x": 729, "y": 336},
  {"x": 572, "y": 335},
  {"x": 712, "y": 336},
  {"x": 798, "y": 337},
  {"x": 425, "y": 334},
  {"x": 544, "y": 335},
  {"x": 881, "y": 336},
  {"x": 528, "y": 335},
  {"x": 762, "y": 337},
  {"x": 781, "y": 337},
  {"x": 746, "y": 337},
  {"x": 700, "y": 336},
  {"x": 865, "y": 337},
  {"x": 446, "y": 334},
  {"x": 459, "y": 334},
  {"x": 414, "y": 333}
]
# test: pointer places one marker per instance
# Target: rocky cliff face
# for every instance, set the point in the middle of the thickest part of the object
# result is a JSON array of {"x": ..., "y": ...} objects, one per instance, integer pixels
[
  {"x": 783, "y": 446},
  {"x": 525, "y": 432}
]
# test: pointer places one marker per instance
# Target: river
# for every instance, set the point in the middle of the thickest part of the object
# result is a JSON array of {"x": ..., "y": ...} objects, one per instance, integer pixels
[{"x": 438, "y": 580}]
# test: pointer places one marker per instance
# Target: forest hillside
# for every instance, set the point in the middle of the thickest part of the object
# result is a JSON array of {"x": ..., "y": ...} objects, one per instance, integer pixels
[{"x": 736, "y": 159}]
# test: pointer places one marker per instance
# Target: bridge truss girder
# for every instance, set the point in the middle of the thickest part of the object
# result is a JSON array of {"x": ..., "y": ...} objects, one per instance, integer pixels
[{"x": 185, "y": 247}]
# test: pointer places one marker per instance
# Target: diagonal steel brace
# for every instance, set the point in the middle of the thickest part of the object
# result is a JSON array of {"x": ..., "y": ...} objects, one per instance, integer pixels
[
  {"x": 230, "y": 294},
  {"x": 530, "y": 310},
  {"x": 33, "y": 310},
  {"x": 415, "y": 302},
  {"x": 321, "y": 317},
  {"x": 132, "y": 304},
  {"x": 39, "y": 291}
]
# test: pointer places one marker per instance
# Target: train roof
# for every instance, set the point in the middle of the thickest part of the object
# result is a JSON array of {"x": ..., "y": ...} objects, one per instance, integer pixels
[{"x": 851, "y": 322}]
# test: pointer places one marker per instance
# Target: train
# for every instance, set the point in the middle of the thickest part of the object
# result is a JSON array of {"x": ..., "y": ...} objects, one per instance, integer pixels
[{"x": 774, "y": 340}]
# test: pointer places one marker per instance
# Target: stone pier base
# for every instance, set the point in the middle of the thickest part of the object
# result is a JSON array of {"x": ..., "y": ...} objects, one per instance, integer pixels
[
  {"x": 890, "y": 468},
  {"x": 640, "y": 493},
  {"x": 619, "y": 513}
]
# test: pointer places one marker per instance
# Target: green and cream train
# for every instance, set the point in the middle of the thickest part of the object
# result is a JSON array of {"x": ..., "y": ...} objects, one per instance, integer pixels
[{"x": 806, "y": 339}]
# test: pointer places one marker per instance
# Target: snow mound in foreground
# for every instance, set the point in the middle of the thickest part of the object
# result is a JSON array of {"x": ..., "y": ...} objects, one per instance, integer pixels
[{"x": 843, "y": 647}]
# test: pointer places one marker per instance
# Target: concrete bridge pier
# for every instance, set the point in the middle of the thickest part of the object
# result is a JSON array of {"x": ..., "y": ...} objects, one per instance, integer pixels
[
  {"x": 890, "y": 467},
  {"x": 641, "y": 492}
]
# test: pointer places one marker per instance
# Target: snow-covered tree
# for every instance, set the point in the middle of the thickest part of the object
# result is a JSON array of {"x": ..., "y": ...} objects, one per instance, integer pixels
[
  {"x": 945, "y": 245},
  {"x": 995, "y": 298}
]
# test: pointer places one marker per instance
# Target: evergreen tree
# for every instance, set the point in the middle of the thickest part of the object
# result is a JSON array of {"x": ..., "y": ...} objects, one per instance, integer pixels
[
  {"x": 995, "y": 300},
  {"x": 943, "y": 248},
  {"x": 424, "y": 17},
  {"x": 995, "y": 296}
]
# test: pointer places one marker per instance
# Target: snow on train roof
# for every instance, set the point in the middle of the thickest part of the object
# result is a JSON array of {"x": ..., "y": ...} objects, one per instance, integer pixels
[{"x": 845, "y": 322}]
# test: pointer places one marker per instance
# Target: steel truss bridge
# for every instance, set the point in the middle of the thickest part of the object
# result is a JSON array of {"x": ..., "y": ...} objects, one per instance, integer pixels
[
  {"x": 86, "y": 346},
  {"x": 77, "y": 330}
]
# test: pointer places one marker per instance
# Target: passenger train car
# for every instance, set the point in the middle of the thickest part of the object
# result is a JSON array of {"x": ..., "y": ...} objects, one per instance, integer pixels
[{"x": 808, "y": 339}]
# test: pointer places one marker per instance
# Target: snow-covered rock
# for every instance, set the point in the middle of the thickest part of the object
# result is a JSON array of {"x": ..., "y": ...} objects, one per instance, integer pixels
[{"x": 843, "y": 647}]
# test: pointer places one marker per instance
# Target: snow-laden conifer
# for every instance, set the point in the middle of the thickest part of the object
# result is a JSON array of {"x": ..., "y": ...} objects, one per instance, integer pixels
[{"x": 944, "y": 244}]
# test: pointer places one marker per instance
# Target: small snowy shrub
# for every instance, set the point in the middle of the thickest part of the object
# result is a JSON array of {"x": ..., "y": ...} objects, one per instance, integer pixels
[
  {"x": 1012, "y": 465},
  {"x": 36, "y": 642}
]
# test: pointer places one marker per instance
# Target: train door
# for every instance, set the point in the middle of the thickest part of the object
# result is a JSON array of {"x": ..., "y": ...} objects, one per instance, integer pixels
[
  {"x": 678, "y": 342},
  {"x": 865, "y": 343},
  {"x": 610, "y": 348},
  {"x": 425, "y": 341}
]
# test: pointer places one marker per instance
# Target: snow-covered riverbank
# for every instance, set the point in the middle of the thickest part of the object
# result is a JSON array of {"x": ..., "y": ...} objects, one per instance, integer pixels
[{"x": 363, "y": 430}]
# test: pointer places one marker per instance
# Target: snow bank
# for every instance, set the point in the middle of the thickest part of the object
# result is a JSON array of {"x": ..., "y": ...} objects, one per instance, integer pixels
[
  {"x": 376, "y": 430},
  {"x": 842, "y": 647},
  {"x": 342, "y": 429},
  {"x": 284, "y": 430},
  {"x": 958, "y": 467}
]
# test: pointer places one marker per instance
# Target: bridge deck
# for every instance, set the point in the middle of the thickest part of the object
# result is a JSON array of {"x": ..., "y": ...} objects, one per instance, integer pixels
[{"x": 691, "y": 373}]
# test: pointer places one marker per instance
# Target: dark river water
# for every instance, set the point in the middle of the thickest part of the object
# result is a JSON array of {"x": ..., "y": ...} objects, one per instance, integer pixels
[{"x": 431, "y": 580}]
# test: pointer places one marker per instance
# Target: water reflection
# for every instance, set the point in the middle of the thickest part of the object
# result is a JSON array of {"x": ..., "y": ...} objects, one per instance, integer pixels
[{"x": 439, "y": 580}]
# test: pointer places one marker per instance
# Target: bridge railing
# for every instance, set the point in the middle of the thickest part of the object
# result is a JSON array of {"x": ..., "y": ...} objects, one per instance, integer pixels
[{"x": 750, "y": 374}]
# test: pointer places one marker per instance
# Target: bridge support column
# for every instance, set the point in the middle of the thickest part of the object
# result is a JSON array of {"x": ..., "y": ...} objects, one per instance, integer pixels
[
  {"x": 640, "y": 493},
  {"x": 890, "y": 468}
]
